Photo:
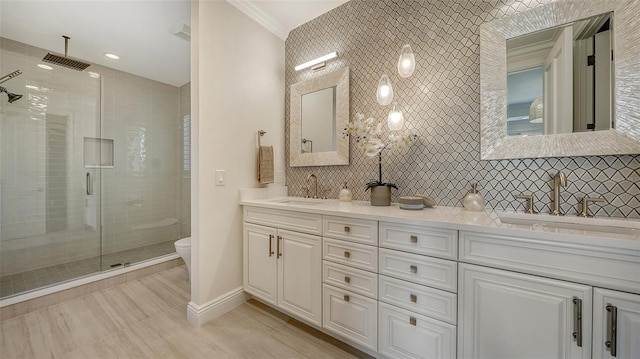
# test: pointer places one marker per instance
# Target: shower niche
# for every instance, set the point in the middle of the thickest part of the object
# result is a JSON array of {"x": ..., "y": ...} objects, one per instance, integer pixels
[{"x": 98, "y": 152}]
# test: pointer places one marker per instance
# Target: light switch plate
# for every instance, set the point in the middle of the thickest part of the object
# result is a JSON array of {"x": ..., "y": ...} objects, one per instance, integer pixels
[{"x": 221, "y": 177}]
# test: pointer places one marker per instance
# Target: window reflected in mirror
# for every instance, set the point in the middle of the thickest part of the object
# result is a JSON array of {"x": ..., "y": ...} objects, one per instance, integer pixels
[{"x": 560, "y": 80}]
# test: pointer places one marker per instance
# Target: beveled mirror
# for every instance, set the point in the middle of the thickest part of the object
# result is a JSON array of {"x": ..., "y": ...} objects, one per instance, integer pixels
[
  {"x": 517, "y": 56},
  {"x": 319, "y": 112}
]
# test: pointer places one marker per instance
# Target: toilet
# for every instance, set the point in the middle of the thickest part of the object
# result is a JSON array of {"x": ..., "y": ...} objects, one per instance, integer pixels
[{"x": 183, "y": 248}]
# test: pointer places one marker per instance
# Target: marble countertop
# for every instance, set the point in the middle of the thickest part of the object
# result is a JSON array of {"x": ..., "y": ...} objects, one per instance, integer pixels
[{"x": 602, "y": 231}]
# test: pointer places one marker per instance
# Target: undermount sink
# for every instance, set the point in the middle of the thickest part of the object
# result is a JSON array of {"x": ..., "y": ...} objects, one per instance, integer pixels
[
  {"x": 603, "y": 225},
  {"x": 300, "y": 201}
]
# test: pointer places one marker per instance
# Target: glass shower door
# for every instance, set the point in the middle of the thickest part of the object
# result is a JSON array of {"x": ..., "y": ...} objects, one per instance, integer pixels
[{"x": 50, "y": 202}]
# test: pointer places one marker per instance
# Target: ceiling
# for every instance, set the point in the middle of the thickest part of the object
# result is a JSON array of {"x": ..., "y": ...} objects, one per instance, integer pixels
[{"x": 137, "y": 30}]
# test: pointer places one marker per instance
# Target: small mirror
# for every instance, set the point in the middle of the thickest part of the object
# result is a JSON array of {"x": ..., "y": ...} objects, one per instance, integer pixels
[{"x": 319, "y": 112}]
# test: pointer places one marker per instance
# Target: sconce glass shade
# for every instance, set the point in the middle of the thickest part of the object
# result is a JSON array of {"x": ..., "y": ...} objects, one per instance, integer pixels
[
  {"x": 406, "y": 62},
  {"x": 395, "y": 120},
  {"x": 384, "y": 95},
  {"x": 536, "y": 111}
]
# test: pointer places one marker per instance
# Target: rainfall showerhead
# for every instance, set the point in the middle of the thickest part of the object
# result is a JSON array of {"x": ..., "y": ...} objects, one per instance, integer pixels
[
  {"x": 65, "y": 61},
  {"x": 12, "y": 97}
]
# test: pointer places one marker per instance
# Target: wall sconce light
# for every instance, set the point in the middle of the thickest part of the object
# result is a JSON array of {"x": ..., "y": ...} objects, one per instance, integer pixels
[
  {"x": 406, "y": 62},
  {"x": 320, "y": 62},
  {"x": 395, "y": 120},
  {"x": 384, "y": 95}
]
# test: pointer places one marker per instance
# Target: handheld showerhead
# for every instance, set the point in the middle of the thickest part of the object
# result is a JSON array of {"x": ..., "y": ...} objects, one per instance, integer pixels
[{"x": 12, "y": 96}]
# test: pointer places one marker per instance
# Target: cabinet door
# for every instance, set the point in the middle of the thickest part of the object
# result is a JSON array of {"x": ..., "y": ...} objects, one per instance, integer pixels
[
  {"x": 260, "y": 262},
  {"x": 616, "y": 320},
  {"x": 404, "y": 334},
  {"x": 300, "y": 275},
  {"x": 511, "y": 315}
]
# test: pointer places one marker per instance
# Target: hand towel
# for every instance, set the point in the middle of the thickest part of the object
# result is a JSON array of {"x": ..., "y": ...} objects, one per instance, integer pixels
[{"x": 265, "y": 164}]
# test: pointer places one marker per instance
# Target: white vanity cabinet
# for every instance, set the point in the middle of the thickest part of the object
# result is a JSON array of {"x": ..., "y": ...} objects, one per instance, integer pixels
[
  {"x": 350, "y": 289},
  {"x": 538, "y": 297},
  {"x": 417, "y": 291},
  {"x": 616, "y": 324},
  {"x": 283, "y": 267},
  {"x": 505, "y": 314}
]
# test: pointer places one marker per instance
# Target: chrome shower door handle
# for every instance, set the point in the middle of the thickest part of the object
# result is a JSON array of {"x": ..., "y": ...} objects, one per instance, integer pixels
[{"x": 89, "y": 184}]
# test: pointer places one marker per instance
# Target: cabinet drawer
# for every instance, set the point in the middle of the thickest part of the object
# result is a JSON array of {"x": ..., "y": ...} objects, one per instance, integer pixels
[
  {"x": 351, "y": 254},
  {"x": 348, "y": 278},
  {"x": 432, "y": 272},
  {"x": 430, "y": 241},
  {"x": 295, "y": 221},
  {"x": 427, "y": 301},
  {"x": 350, "y": 315},
  {"x": 351, "y": 229},
  {"x": 407, "y": 335}
]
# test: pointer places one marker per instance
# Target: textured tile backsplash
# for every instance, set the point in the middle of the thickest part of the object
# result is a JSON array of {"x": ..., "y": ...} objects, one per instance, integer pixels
[{"x": 441, "y": 105}]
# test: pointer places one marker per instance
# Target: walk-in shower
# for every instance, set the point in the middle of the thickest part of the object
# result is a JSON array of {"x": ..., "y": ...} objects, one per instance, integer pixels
[{"x": 94, "y": 170}]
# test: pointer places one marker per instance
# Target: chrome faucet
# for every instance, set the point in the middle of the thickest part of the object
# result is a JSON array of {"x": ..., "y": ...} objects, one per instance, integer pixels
[
  {"x": 315, "y": 184},
  {"x": 559, "y": 180}
]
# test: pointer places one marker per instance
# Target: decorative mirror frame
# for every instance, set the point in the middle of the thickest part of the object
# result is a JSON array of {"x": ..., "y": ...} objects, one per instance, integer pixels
[
  {"x": 339, "y": 79},
  {"x": 623, "y": 139}
]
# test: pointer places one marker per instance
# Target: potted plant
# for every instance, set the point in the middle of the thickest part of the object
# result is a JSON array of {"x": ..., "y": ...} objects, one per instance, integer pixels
[{"x": 368, "y": 136}]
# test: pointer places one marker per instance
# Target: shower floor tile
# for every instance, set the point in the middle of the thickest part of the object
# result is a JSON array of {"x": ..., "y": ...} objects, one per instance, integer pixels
[{"x": 19, "y": 283}]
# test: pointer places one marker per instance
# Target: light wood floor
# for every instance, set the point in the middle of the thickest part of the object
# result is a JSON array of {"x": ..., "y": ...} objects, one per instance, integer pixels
[{"x": 146, "y": 318}]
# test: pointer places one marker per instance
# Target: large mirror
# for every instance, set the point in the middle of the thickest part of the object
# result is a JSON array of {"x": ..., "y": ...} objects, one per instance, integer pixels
[
  {"x": 319, "y": 112},
  {"x": 559, "y": 80}
]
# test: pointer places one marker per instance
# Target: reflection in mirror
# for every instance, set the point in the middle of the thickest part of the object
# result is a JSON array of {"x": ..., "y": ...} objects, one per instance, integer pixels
[
  {"x": 560, "y": 80},
  {"x": 318, "y": 123},
  {"x": 319, "y": 110}
]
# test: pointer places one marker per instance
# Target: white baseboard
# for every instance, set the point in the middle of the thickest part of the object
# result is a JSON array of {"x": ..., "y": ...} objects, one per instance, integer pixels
[{"x": 198, "y": 315}]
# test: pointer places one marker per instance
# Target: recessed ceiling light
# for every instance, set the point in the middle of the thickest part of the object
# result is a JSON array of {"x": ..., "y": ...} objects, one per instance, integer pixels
[
  {"x": 46, "y": 67},
  {"x": 95, "y": 75},
  {"x": 112, "y": 56}
]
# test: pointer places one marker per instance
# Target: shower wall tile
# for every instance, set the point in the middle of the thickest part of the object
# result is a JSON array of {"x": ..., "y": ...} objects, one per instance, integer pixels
[
  {"x": 144, "y": 187},
  {"x": 441, "y": 105}
]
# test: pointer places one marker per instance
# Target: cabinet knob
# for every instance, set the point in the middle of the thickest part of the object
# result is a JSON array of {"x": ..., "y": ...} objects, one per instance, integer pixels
[
  {"x": 414, "y": 268},
  {"x": 413, "y": 298},
  {"x": 347, "y": 279},
  {"x": 347, "y": 229},
  {"x": 414, "y": 239},
  {"x": 347, "y": 254},
  {"x": 346, "y": 298},
  {"x": 412, "y": 320}
]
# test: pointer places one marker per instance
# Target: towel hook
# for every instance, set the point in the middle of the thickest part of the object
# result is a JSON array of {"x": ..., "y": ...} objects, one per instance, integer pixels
[{"x": 260, "y": 134}]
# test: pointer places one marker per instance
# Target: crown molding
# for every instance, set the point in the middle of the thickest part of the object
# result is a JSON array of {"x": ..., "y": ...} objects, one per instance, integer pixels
[{"x": 250, "y": 9}]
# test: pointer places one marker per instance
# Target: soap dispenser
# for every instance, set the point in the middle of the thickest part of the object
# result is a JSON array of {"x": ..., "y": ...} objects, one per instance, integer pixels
[
  {"x": 345, "y": 194},
  {"x": 473, "y": 201}
]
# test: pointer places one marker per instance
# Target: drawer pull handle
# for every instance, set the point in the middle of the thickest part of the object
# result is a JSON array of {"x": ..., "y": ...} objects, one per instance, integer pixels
[
  {"x": 347, "y": 280},
  {"x": 412, "y": 321},
  {"x": 346, "y": 298},
  {"x": 414, "y": 239},
  {"x": 414, "y": 268},
  {"x": 270, "y": 245},
  {"x": 413, "y": 298},
  {"x": 278, "y": 240},
  {"x": 347, "y": 229},
  {"x": 347, "y": 254}
]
